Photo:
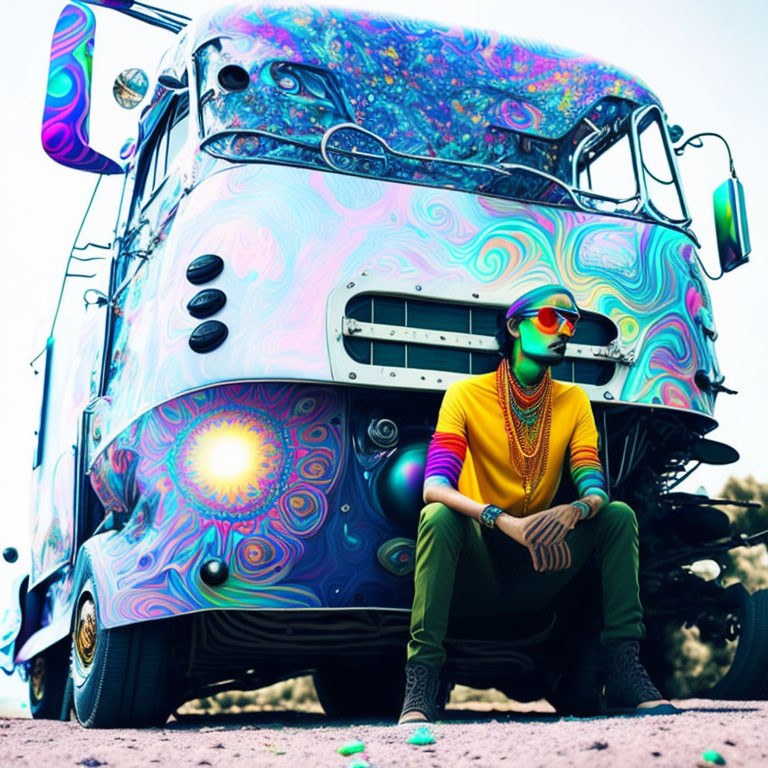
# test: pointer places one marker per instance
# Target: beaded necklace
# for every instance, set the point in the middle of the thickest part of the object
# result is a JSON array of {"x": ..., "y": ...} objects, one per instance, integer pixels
[{"x": 527, "y": 421}]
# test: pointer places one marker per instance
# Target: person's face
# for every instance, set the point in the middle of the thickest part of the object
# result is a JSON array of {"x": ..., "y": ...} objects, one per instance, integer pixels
[{"x": 545, "y": 329}]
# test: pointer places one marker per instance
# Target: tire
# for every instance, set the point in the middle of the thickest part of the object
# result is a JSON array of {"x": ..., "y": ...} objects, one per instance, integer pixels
[
  {"x": 747, "y": 674},
  {"x": 50, "y": 692},
  {"x": 360, "y": 692},
  {"x": 119, "y": 676}
]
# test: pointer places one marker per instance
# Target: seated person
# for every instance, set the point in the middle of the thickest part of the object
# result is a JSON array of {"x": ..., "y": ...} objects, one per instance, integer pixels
[{"x": 488, "y": 541}]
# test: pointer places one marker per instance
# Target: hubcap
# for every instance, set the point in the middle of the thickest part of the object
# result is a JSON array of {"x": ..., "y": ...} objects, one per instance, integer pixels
[
  {"x": 37, "y": 678},
  {"x": 86, "y": 632}
]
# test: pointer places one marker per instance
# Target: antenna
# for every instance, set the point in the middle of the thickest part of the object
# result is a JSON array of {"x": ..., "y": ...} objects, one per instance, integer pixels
[{"x": 151, "y": 14}]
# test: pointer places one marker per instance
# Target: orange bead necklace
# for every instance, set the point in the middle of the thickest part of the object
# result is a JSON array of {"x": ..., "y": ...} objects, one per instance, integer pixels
[{"x": 527, "y": 421}]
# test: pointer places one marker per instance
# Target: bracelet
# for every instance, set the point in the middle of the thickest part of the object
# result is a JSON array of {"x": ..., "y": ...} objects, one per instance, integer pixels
[
  {"x": 489, "y": 514},
  {"x": 583, "y": 507}
]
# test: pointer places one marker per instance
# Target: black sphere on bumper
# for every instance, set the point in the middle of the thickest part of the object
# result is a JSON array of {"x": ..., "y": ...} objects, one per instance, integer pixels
[{"x": 214, "y": 572}]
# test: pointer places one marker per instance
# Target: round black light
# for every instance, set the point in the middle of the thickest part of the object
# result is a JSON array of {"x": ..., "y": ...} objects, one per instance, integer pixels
[
  {"x": 206, "y": 303},
  {"x": 208, "y": 335},
  {"x": 234, "y": 78},
  {"x": 10, "y": 554},
  {"x": 214, "y": 572},
  {"x": 204, "y": 269}
]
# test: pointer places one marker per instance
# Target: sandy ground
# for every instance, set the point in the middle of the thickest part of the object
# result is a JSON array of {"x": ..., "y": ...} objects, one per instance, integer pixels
[{"x": 736, "y": 730}]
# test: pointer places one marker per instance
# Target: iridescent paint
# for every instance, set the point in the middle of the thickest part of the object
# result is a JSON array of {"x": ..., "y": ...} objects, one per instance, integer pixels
[
  {"x": 68, "y": 97},
  {"x": 268, "y": 503},
  {"x": 424, "y": 88},
  {"x": 289, "y": 238},
  {"x": 246, "y": 453}
]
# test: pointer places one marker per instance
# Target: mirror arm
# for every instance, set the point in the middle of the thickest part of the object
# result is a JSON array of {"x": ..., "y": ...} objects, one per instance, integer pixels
[{"x": 697, "y": 138}]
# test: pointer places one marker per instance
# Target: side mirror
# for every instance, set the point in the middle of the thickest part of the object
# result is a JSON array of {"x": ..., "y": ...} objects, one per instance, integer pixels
[
  {"x": 731, "y": 228},
  {"x": 68, "y": 96},
  {"x": 130, "y": 88}
]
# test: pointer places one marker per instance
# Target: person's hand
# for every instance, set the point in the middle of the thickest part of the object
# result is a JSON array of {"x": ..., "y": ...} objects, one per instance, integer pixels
[
  {"x": 547, "y": 557},
  {"x": 550, "y": 527},
  {"x": 554, "y": 557}
]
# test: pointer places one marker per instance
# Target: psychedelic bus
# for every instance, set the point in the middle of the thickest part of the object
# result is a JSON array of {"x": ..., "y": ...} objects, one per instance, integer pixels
[{"x": 322, "y": 217}]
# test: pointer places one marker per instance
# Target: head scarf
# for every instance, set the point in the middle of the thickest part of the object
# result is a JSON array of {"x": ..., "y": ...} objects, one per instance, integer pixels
[{"x": 536, "y": 297}]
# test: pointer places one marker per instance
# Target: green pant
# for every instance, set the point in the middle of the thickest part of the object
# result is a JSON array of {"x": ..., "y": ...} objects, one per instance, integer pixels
[{"x": 464, "y": 569}]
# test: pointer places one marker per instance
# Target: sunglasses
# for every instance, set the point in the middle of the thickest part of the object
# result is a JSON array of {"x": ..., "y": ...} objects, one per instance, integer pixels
[{"x": 550, "y": 319}]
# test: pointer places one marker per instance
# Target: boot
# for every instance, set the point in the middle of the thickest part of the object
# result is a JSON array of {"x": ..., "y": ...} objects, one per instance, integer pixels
[
  {"x": 421, "y": 689},
  {"x": 627, "y": 685}
]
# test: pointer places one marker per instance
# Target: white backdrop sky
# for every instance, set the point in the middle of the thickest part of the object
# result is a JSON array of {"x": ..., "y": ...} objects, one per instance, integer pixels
[{"x": 704, "y": 58}]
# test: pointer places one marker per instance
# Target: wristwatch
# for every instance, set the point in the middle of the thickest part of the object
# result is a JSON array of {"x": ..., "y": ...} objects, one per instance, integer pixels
[
  {"x": 489, "y": 514},
  {"x": 583, "y": 507}
]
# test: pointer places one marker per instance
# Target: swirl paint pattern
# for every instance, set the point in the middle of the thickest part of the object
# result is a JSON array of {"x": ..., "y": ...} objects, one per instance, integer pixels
[
  {"x": 290, "y": 237},
  {"x": 240, "y": 472}
]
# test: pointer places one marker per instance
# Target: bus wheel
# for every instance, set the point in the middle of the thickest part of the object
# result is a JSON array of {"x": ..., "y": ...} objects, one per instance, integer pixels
[
  {"x": 50, "y": 695},
  {"x": 360, "y": 691},
  {"x": 736, "y": 671},
  {"x": 119, "y": 676},
  {"x": 748, "y": 672}
]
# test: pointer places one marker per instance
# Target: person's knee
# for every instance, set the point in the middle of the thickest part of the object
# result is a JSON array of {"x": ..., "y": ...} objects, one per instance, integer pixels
[
  {"x": 619, "y": 514},
  {"x": 439, "y": 518}
]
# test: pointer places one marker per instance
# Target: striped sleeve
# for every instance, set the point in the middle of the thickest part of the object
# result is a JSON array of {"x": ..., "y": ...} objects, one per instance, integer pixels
[
  {"x": 448, "y": 447},
  {"x": 586, "y": 468},
  {"x": 445, "y": 458}
]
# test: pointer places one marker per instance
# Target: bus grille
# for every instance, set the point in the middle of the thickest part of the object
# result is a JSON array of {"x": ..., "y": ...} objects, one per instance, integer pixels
[{"x": 455, "y": 337}]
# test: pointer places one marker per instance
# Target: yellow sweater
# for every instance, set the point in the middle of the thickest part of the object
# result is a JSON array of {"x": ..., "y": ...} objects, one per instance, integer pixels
[{"x": 471, "y": 439}]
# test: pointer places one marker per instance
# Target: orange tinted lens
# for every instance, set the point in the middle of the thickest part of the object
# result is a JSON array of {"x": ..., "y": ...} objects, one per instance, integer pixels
[{"x": 548, "y": 319}]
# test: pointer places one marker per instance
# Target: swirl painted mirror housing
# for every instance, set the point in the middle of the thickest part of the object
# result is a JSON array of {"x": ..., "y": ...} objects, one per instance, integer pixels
[{"x": 68, "y": 95}]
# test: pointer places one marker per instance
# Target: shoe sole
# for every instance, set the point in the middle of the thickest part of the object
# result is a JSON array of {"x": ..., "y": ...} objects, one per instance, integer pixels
[{"x": 660, "y": 709}]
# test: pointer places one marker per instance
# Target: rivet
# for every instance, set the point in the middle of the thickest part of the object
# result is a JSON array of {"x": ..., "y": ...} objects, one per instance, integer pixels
[{"x": 352, "y": 375}]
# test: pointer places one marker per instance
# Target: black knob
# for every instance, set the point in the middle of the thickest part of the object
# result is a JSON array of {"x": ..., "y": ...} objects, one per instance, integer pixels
[
  {"x": 206, "y": 303},
  {"x": 205, "y": 268},
  {"x": 208, "y": 335}
]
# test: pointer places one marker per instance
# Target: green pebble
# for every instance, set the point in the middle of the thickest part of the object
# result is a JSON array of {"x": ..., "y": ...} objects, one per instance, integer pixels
[
  {"x": 351, "y": 748},
  {"x": 713, "y": 757},
  {"x": 359, "y": 762},
  {"x": 422, "y": 736}
]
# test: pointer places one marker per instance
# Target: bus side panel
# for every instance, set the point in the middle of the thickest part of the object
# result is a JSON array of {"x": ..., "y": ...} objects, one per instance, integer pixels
[{"x": 73, "y": 383}]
